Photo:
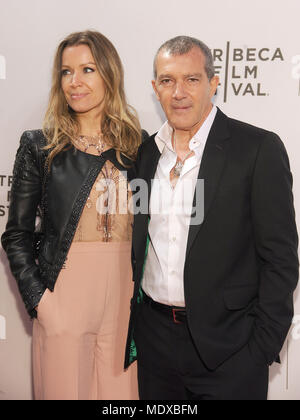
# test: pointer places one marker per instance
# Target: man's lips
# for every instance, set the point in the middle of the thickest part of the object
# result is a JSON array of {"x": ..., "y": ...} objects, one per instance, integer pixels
[{"x": 181, "y": 108}]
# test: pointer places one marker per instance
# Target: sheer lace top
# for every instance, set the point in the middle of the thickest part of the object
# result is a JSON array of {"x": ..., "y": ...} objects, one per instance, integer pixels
[{"x": 107, "y": 216}]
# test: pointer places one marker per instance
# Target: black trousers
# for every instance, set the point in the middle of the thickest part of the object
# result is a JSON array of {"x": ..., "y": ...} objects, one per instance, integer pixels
[{"x": 170, "y": 368}]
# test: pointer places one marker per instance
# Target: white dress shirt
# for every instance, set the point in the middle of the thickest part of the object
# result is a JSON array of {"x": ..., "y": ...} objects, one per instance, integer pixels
[{"x": 170, "y": 216}]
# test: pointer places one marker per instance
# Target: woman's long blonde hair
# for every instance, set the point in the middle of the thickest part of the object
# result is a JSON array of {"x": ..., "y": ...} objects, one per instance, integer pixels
[{"x": 120, "y": 126}]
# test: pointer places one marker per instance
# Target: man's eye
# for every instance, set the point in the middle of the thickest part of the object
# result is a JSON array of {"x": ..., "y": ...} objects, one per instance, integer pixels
[
  {"x": 193, "y": 79},
  {"x": 165, "y": 81}
]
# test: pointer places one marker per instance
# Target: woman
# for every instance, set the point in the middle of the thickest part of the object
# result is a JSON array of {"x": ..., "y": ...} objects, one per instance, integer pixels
[{"x": 75, "y": 275}]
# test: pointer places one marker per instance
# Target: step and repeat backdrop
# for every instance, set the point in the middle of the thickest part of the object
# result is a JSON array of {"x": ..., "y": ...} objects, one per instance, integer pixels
[{"x": 257, "y": 56}]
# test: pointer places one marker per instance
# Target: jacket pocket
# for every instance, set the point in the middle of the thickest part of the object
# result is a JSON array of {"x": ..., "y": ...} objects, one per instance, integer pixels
[{"x": 240, "y": 296}]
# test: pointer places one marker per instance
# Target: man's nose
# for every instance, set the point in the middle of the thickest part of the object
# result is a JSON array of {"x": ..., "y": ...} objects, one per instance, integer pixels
[{"x": 179, "y": 91}]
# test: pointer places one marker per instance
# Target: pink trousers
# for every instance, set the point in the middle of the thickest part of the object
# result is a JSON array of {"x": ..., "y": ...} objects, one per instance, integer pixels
[{"x": 80, "y": 333}]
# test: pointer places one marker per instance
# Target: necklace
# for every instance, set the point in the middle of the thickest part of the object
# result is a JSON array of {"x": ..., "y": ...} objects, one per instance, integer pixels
[
  {"x": 98, "y": 145},
  {"x": 179, "y": 164}
]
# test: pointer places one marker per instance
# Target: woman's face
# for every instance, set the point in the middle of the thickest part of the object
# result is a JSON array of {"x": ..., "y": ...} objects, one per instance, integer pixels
[{"x": 82, "y": 84}]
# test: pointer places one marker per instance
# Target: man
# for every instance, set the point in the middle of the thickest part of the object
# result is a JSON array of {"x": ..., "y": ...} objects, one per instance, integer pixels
[{"x": 213, "y": 299}]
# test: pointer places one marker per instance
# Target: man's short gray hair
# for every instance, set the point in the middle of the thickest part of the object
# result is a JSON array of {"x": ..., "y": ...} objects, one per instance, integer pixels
[{"x": 183, "y": 44}]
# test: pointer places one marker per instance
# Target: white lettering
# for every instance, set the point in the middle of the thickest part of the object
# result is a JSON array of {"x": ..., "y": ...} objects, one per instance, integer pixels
[
  {"x": 175, "y": 409},
  {"x": 123, "y": 411},
  {"x": 150, "y": 410},
  {"x": 296, "y": 329},
  {"x": 2, "y": 328},
  {"x": 2, "y": 67},
  {"x": 296, "y": 68}
]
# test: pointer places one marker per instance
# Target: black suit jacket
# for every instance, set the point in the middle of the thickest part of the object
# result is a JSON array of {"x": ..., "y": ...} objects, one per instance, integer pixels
[{"x": 241, "y": 265}]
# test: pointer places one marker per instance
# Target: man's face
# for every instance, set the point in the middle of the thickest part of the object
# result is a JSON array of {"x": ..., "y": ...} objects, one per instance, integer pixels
[{"x": 183, "y": 89}]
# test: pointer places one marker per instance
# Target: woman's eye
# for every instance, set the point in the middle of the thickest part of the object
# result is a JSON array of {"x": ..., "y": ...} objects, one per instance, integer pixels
[
  {"x": 65, "y": 72},
  {"x": 88, "y": 70}
]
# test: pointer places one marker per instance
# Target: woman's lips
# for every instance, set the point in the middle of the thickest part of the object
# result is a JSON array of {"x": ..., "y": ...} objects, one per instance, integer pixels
[{"x": 75, "y": 96}]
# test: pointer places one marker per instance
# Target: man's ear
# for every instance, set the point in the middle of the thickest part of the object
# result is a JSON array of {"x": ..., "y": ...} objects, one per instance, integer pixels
[
  {"x": 214, "y": 83},
  {"x": 155, "y": 89}
]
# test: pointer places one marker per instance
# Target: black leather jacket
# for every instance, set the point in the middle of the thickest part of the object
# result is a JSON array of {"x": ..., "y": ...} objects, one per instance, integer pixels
[{"x": 60, "y": 195}]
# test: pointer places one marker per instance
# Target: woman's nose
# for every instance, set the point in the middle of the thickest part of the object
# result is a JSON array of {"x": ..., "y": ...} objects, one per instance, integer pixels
[{"x": 76, "y": 80}]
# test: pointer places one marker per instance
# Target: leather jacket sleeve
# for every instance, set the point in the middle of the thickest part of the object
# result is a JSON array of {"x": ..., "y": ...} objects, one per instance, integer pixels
[{"x": 18, "y": 238}]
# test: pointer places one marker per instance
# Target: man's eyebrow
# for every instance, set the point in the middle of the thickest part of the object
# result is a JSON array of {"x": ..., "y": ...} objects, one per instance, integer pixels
[
  {"x": 189, "y": 75},
  {"x": 164, "y": 76},
  {"x": 186, "y": 76},
  {"x": 199, "y": 75}
]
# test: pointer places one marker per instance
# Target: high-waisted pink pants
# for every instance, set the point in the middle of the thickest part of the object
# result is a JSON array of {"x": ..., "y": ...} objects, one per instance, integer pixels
[{"x": 80, "y": 333}]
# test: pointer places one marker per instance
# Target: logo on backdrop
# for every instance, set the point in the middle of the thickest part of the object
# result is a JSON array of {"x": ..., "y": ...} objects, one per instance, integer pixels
[
  {"x": 5, "y": 185},
  {"x": 2, "y": 328},
  {"x": 240, "y": 69},
  {"x": 296, "y": 328},
  {"x": 2, "y": 67},
  {"x": 296, "y": 70}
]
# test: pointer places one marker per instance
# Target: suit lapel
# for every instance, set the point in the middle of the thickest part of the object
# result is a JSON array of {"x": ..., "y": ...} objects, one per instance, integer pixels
[
  {"x": 212, "y": 164},
  {"x": 147, "y": 173},
  {"x": 150, "y": 168}
]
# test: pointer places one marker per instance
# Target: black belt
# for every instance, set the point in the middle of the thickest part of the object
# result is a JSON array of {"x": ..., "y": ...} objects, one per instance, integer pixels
[{"x": 176, "y": 313}]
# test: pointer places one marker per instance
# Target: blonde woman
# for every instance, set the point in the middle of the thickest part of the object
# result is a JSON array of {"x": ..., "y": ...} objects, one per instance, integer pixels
[{"x": 75, "y": 275}]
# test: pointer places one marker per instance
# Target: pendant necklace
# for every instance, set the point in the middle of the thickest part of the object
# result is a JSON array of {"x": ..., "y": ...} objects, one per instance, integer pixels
[
  {"x": 99, "y": 145},
  {"x": 179, "y": 163}
]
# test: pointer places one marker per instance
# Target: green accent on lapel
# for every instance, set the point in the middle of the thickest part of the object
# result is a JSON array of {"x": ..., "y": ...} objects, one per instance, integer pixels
[
  {"x": 140, "y": 296},
  {"x": 132, "y": 352}
]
